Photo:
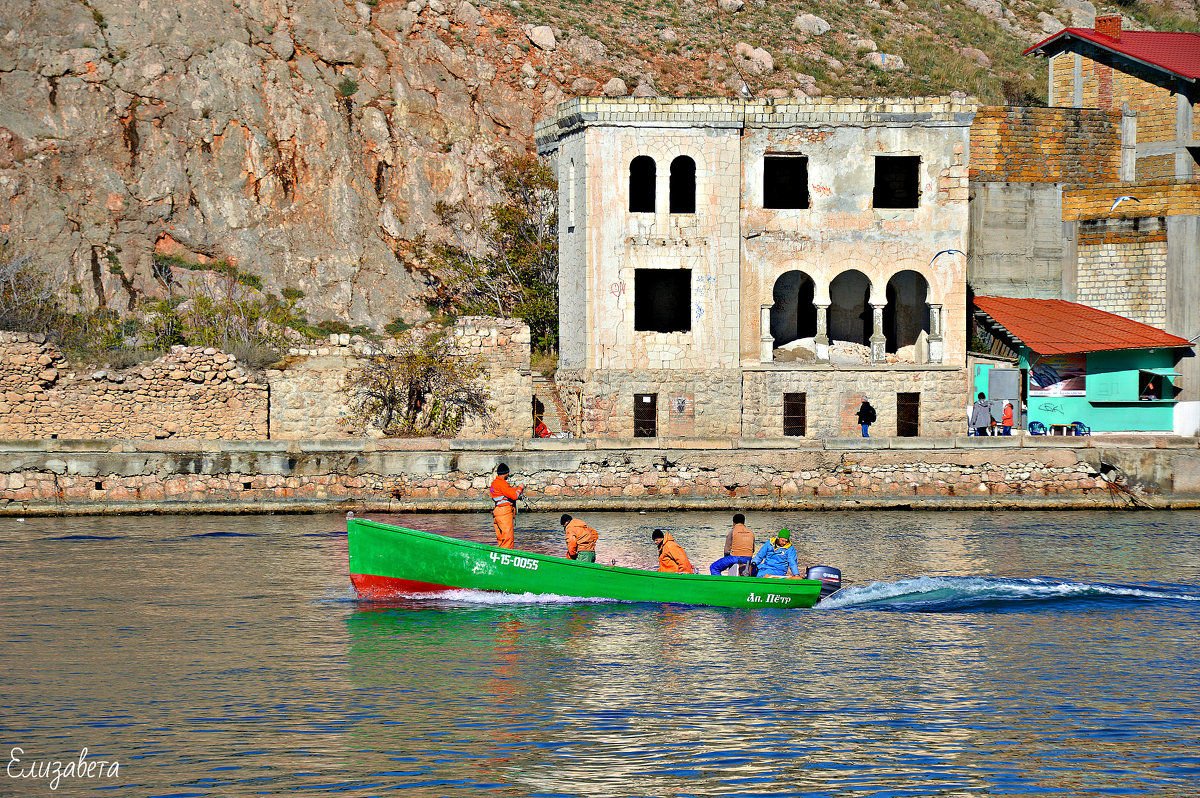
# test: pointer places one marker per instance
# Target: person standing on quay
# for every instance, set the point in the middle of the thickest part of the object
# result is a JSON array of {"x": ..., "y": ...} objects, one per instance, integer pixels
[
  {"x": 739, "y": 548},
  {"x": 981, "y": 415},
  {"x": 1006, "y": 422},
  {"x": 504, "y": 497},
  {"x": 581, "y": 539},
  {"x": 866, "y": 416}
]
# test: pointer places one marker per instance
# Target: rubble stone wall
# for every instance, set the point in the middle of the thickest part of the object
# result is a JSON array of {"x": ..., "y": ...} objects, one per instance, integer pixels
[
  {"x": 190, "y": 392},
  {"x": 65, "y": 477}
]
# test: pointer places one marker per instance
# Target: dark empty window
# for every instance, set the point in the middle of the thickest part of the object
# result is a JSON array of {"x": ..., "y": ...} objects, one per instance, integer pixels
[
  {"x": 908, "y": 415},
  {"x": 662, "y": 300},
  {"x": 683, "y": 185},
  {"x": 641, "y": 185},
  {"x": 785, "y": 181},
  {"x": 795, "y": 406},
  {"x": 645, "y": 415},
  {"x": 897, "y": 181}
]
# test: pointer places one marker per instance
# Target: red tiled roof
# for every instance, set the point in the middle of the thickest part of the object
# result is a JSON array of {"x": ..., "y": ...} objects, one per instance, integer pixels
[
  {"x": 1058, "y": 327},
  {"x": 1177, "y": 53}
]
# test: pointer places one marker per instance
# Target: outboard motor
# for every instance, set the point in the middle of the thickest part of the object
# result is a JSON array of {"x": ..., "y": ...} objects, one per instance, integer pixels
[{"x": 831, "y": 579}]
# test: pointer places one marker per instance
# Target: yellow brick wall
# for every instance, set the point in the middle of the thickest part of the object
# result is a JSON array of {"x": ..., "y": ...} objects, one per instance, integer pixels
[
  {"x": 1155, "y": 167},
  {"x": 1045, "y": 145},
  {"x": 1062, "y": 79},
  {"x": 1156, "y": 198}
]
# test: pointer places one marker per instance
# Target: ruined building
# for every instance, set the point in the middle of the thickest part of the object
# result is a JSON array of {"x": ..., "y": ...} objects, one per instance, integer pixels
[{"x": 754, "y": 268}]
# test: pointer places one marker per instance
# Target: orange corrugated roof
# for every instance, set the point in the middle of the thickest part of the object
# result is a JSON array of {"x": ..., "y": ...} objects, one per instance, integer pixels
[
  {"x": 1058, "y": 327},
  {"x": 1177, "y": 53}
]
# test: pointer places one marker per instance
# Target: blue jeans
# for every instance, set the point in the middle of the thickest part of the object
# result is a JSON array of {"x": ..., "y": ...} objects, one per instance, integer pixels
[
  {"x": 864, "y": 426},
  {"x": 725, "y": 563}
]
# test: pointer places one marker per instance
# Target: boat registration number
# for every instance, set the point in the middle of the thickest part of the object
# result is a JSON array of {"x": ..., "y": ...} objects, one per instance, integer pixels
[
  {"x": 770, "y": 598},
  {"x": 527, "y": 563}
]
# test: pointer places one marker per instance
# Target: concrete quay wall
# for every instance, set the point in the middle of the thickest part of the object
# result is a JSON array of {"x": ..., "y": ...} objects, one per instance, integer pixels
[{"x": 66, "y": 477}]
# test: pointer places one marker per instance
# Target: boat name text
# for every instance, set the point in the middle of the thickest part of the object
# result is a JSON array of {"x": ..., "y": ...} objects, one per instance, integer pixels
[
  {"x": 770, "y": 598},
  {"x": 55, "y": 771},
  {"x": 520, "y": 562}
]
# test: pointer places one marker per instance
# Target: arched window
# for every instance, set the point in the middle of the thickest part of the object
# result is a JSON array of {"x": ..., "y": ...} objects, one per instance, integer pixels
[
  {"x": 641, "y": 184},
  {"x": 850, "y": 308},
  {"x": 683, "y": 185},
  {"x": 906, "y": 314},
  {"x": 793, "y": 316}
]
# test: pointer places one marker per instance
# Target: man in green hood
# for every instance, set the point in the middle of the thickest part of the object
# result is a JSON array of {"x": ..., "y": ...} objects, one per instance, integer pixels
[{"x": 777, "y": 556}]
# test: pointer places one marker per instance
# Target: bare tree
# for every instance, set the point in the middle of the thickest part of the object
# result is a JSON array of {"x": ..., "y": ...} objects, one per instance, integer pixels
[{"x": 424, "y": 388}]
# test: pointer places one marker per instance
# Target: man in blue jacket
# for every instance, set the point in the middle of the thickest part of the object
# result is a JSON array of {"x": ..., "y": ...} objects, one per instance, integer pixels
[{"x": 777, "y": 557}]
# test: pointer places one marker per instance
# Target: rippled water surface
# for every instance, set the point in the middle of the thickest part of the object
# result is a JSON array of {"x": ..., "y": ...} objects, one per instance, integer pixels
[{"x": 1035, "y": 653}]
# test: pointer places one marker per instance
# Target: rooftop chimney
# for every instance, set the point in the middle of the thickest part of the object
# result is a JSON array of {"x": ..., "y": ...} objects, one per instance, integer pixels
[{"x": 1109, "y": 25}]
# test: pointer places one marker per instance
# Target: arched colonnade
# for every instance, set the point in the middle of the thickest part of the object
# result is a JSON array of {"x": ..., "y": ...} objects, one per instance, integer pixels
[{"x": 847, "y": 308}]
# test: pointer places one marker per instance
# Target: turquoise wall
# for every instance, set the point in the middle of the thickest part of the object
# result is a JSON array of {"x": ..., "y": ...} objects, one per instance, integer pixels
[{"x": 1111, "y": 403}]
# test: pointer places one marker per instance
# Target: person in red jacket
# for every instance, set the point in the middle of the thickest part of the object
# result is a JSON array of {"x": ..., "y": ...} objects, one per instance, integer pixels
[
  {"x": 671, "y": 556},
  {"x": 1007, "y": 421},
  {"x": 504, "y": 497}
]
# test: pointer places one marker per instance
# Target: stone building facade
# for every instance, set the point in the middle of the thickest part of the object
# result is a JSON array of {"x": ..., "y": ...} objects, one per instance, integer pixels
[{"x": 789, "y": 251}]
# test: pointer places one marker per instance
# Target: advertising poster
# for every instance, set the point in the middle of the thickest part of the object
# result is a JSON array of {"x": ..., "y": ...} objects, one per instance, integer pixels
[{"x": 1059, "y": 375}]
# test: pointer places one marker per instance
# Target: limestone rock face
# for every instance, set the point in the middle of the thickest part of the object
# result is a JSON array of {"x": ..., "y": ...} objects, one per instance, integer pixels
[
  {"x": 305, "y": 142},
  {"x": 810, "y": 24}
]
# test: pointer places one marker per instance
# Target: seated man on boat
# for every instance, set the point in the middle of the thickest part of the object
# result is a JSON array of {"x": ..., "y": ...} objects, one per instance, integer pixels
[
  {"x": 739, "y": 548},
  {"x": 581, "y": 539},
  {"x": 504, "y": 496},
  {"x": 777, "y": 557},
  {"x": 671, "y": 557}
]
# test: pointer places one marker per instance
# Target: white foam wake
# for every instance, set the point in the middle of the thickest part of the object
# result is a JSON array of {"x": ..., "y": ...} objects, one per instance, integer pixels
[{"x": 949, "y": 592}]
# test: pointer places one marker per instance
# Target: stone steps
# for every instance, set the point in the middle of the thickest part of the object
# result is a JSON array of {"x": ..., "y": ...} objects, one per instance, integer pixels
[{"x": 555, "y": 415}]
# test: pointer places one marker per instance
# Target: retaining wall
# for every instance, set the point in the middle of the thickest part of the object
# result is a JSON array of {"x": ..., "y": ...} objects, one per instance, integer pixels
[{"x": 78, "y": 477}]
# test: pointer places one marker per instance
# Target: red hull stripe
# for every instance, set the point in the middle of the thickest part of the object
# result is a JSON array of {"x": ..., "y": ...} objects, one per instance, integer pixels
[{"x": 370, "y": 586}]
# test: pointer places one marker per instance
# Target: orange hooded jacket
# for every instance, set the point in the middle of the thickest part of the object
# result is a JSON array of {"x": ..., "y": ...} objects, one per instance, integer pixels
[
  {"x": 580, "y": 537},
  {"x": 672, "y": 558}
]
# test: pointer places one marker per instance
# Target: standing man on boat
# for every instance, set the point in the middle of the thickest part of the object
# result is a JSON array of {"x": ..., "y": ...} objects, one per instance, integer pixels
[
  {"x": 739, "y": 548},
  {"x": 671, "y": 556},
  {"x": 504, "y": 496},
  {"x": 581, "y": 539},
  {"x": 777, "y": 557}
]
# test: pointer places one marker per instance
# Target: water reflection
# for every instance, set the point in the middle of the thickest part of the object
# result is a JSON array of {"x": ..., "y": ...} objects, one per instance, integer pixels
[{"x": 212, "y": 664}]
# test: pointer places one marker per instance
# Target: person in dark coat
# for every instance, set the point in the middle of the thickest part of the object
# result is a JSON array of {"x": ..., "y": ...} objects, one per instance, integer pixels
[
  {"x": 866, "y": 416},
  {"x": 981, "y": 415}
]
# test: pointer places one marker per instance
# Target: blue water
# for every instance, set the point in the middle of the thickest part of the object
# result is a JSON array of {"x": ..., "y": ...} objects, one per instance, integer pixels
[{"x": 1035, "y": 653}]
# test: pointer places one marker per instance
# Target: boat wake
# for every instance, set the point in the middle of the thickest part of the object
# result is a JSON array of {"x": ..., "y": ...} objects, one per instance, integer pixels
[
  {"x": 484, "y": 598},
  {"x": 959, "y": 593}
]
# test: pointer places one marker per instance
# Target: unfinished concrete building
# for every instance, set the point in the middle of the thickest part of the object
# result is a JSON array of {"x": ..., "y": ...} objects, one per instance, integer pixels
[{"x": 754, "y": 268}]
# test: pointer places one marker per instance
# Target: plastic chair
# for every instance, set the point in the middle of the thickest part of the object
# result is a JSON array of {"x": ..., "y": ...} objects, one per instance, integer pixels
[
  {"x": 1037, "y": 428},
  {"x": 1079, "y": 428}
]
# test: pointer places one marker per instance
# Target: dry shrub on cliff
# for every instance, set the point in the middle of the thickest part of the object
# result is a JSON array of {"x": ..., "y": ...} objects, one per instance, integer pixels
[
  {"x": 29, "y": 300},
  {"x": 504, "y": 262},
  {"x": 422, "y": 388}
]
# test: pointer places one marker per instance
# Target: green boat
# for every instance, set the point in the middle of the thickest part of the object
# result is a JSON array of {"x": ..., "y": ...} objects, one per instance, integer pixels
[{"x": 388, "y": 562}]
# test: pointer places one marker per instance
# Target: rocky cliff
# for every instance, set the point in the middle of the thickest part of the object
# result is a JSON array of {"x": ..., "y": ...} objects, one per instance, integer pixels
[{"x": 306, "y": 141}]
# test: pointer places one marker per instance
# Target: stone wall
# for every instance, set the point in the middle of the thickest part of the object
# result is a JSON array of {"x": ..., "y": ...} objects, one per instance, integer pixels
[
  {"x": 1045, "y": 145},
  {"x": 190, "y": 392},
  {"x": 721, "y": 403},
  {"x": 832, "y": 400},
  {"x": 308, "y": 400},
  {"x": 68, "y": 477}
]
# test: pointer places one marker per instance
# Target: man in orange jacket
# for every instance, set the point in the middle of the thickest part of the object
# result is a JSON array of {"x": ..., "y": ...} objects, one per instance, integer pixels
[
  {"x": 671, "y": 556},
  {"x": 504, "y": 497},
  {"x": 581, "y": 539}
]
